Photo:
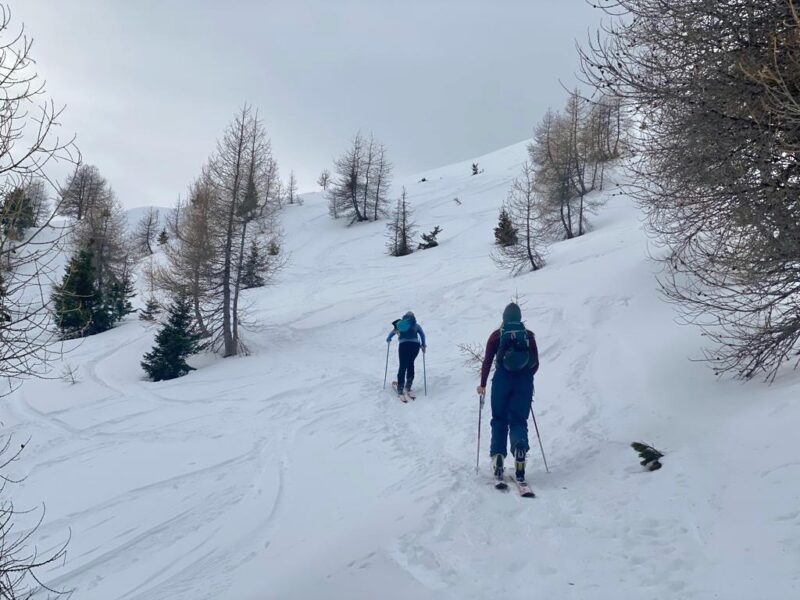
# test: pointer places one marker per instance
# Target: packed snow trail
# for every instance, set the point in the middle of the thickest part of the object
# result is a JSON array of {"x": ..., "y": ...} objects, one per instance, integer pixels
[{"x": 291, "y": 473}]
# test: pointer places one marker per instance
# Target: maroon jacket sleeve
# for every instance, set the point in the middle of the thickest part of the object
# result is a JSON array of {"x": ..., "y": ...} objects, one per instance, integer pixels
[
  {"x": 534, "y": 351},
  {"x": 491, "y": 351}
]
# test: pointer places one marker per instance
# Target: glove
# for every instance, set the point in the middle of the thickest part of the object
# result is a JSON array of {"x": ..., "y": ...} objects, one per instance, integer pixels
[
  {"x": 424, "y": 348},
  {"x": 389, "y": 340}
]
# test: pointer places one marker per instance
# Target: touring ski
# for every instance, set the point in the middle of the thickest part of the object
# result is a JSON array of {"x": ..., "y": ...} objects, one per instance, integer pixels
[
  {"x": 524, "y": 490},
  {"x": 404, "y": 397}
]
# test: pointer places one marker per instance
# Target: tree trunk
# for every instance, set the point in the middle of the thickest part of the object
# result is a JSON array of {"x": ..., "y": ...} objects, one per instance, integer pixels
[{"x": 229, "y": 334}]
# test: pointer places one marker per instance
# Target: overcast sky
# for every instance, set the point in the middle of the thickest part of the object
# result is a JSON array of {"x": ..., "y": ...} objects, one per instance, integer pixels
[{"x": 150, "y": 84}]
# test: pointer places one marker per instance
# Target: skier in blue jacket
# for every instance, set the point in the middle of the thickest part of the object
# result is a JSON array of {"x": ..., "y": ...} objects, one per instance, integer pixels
[{"x": 411, "y": 340}]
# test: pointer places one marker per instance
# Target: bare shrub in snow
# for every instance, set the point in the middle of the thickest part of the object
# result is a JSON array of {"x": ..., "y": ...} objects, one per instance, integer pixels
[{"x": 473, "y": 355}]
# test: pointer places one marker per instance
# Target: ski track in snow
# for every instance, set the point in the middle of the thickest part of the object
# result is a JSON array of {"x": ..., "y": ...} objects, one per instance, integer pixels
[{"x": 291, "y": 474}]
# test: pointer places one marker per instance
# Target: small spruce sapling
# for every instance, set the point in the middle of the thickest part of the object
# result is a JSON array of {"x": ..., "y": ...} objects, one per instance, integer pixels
[
  {"x": 150, "y": 311},
  {"x": 505, "y": 234},
  {"x": 176, "y": 342},
  {"x": 429, "y": 239}
]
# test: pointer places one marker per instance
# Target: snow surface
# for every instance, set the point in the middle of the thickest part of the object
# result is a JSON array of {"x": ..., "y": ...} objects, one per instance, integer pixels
[{"x": 290, "y": 474}]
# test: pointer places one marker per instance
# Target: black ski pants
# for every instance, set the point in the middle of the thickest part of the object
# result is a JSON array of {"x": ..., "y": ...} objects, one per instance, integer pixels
[{"x": 407, "y": 353}]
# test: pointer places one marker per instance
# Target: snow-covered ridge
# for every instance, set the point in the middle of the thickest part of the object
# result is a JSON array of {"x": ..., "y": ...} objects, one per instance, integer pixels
[{"x": 290, "y": 474}]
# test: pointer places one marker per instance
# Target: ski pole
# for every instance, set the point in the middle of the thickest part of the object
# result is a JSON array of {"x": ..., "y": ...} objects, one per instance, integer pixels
[
  {"x": 424, "y": 374},
  {"x": 480, "y": 414},
  {"x": 386, "y": 370},
  {"x": 540, "y": 440}
]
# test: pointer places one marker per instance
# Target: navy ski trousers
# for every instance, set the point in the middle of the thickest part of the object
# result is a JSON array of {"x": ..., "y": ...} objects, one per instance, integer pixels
[{"x": 512, "y": 395}]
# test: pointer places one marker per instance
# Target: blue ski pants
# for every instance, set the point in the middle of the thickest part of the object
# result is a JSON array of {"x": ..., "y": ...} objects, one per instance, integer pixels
[{"x": 512, "y": 396}]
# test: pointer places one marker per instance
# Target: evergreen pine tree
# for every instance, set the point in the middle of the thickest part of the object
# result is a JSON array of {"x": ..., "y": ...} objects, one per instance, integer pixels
[
  {"x": 163, "y": 238},
  {"x": 474, "y": 168},
  {"x": 17, "y": 213},
  {"x": 119, "y": 297},
  {"x": 79, "y": 306},
  {"x": 254, "y": 267},
  {"x": 175, "y": 342},
  {"x": 505, "y": 234},
  {"x": 150, "y": 311}
]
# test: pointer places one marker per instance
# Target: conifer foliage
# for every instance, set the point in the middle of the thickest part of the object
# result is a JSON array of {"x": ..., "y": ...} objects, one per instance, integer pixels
[
  {"x": 255, "y": 266},
  {"x": 176, "y": 342},
  {"x": 17, "y": 213},
  {"x": 505, "y": 234},
  {"x": 81, "y": 306},
  {"x": 78, "y": 303},
  {"x": 150, "y": 311},
  {"x": 429, "y": 239}
]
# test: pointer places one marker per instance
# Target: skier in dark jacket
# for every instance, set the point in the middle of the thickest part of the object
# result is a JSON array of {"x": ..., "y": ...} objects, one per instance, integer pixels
[
  {"x": 513, "y": 349},
  {"x": 411, "y": 339}
]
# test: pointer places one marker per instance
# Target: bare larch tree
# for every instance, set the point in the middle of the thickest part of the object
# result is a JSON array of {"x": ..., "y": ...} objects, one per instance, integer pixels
[
  {"x": 523, "y": 209},
  {"x": 401, "y": 228},
  {"x": 324, "y": 179},
  {"x": 363, "y": 178},
  {"x": 232, "y": 207},
  {"x": 147, "y": 230},
  {"x": 713, "y": 86}
]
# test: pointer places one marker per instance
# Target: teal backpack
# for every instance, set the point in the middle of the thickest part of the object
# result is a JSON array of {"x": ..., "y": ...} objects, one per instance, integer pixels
[
  {"x": 406, "y": 328},
  {"x": 514, "y": 351}
]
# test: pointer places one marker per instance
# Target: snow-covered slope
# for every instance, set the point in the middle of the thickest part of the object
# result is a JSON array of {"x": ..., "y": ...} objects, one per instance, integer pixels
[{"x": 290, "y": 474}]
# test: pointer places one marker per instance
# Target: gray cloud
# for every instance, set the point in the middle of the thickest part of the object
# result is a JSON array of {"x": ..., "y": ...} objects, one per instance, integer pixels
[{"x": 149, "y": 85}]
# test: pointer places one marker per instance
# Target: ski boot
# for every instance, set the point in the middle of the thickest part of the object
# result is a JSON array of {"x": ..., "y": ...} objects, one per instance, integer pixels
[
  {"x": 497, "y": 466},
  {"x": 519, "y": 464}
]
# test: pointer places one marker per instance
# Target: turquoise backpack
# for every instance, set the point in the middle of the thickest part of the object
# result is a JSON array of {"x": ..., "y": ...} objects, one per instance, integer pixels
[{"x": 406, "y": 328}]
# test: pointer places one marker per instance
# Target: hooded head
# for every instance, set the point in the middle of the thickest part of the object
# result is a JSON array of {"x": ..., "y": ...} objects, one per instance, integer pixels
[
  {"x": 409, "y": 315},
  {"x": 512, "y": 314}
]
